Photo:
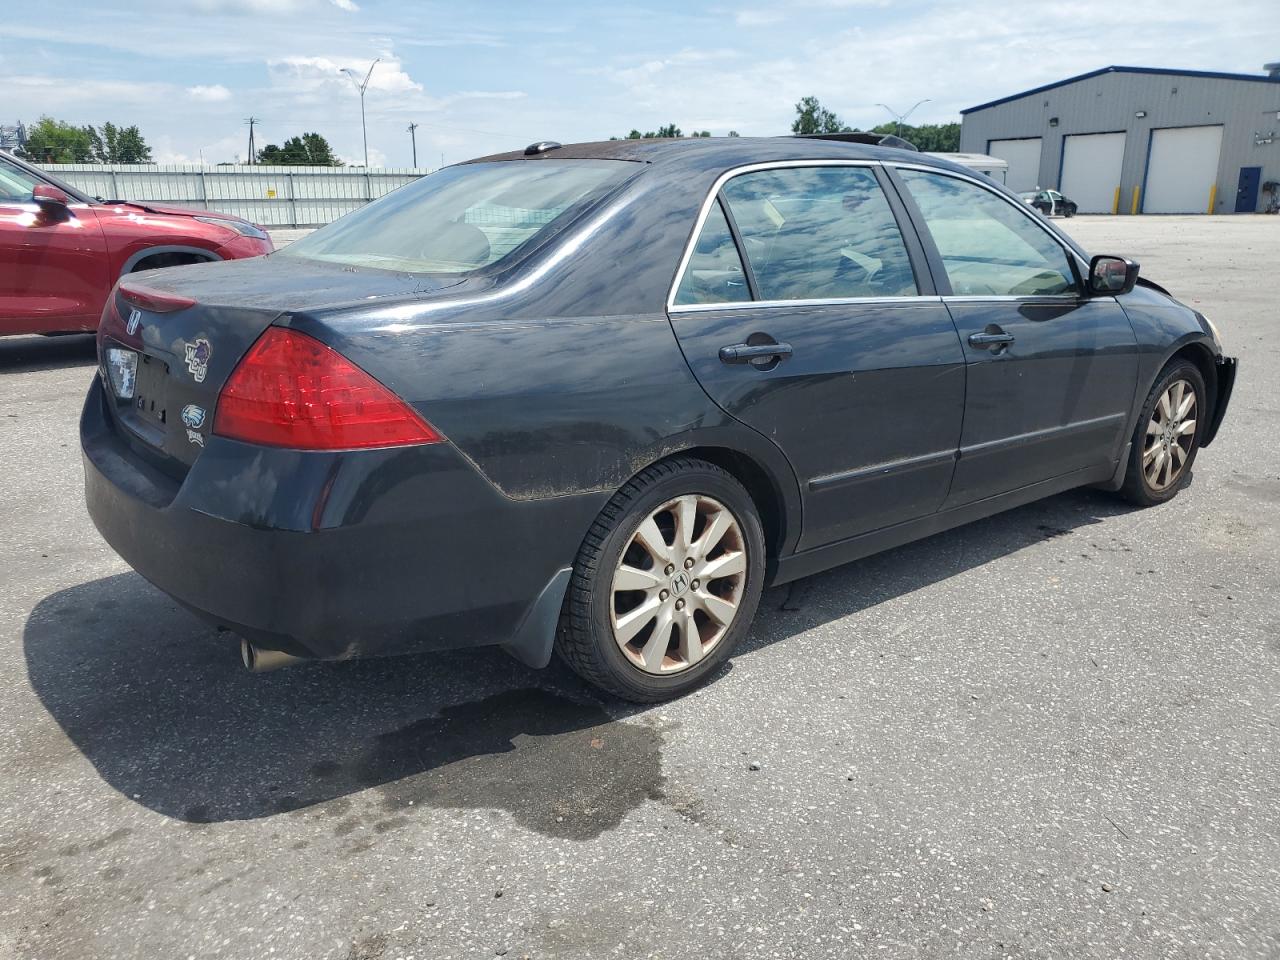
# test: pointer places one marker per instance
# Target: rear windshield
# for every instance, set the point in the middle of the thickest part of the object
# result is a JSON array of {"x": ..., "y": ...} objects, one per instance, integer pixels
[{"x": 464, "y": 218}]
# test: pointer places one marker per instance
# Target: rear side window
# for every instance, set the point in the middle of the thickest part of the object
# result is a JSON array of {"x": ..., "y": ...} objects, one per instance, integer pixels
[
  {"x": 15, "y": 183},
  {"x": 464, "y": 218},
  {"x": 714, "y": 273},
  {"x": 819, "y": 233},
  {"x": 988, "y": 246}
]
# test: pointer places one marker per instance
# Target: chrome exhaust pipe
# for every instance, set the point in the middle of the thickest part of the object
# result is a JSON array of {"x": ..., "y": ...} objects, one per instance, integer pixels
[{"x": 257, "y": 660}]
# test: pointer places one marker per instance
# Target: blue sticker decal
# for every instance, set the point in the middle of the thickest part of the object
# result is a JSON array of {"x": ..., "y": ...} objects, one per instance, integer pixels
[{"x": 193, "y": 416}]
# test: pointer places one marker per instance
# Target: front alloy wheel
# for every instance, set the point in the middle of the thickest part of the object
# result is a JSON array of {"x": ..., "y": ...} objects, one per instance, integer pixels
[
  {"x": 1171, "y": 432},
  {"x": 1166, "y": 436}
]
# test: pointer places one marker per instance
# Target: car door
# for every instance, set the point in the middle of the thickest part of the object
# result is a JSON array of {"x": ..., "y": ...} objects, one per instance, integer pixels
[
  {"x": 53, "y": 269},
  {"x": 1051, "y": 371},
  {"x": 827, "y": 338}
]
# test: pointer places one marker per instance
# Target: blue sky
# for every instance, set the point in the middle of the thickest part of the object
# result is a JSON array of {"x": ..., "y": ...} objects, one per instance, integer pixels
[{"x": 483, "y": 77}]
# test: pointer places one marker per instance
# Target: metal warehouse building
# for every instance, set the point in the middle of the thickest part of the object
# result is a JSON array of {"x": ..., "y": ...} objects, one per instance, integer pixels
[{"x": 1139, "y": 140}]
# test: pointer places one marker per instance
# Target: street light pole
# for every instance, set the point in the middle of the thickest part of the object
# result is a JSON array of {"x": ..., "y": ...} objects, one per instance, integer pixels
[
  {"x": 362, "y": 87},
  {"x": 413, "y": 135},
  {"x": 900, "y": 119}
]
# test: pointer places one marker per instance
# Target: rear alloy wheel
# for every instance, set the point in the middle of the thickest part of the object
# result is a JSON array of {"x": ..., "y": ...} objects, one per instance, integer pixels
[
  {"x": 666, "y": 582},
  {"x": 1167, "y": 436}
]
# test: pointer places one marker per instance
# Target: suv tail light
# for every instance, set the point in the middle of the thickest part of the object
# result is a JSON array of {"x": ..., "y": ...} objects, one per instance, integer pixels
[{"x": 290, "y": 390}]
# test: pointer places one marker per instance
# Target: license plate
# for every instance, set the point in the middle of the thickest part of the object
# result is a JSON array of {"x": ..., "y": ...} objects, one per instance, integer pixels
[{"x": 149, "y": 392}]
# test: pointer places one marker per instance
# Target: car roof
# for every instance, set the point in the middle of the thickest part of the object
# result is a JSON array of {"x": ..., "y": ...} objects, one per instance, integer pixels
[{"x": 732, "y": 151}]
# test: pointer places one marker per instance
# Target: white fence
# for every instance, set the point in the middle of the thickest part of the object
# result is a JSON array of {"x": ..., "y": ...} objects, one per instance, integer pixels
[{"x": 272, "y": 196}]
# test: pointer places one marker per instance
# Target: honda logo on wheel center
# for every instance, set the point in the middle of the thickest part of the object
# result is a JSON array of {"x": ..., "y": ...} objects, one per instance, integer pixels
[{"x": 679, "y": 583}]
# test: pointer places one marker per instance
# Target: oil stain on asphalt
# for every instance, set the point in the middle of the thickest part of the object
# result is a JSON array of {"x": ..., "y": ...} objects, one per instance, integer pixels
[{"x": 562, "y": 768}]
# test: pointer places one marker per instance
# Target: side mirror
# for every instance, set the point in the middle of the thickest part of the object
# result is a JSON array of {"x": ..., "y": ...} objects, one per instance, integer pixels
[
  {"x": 52, "y": 201},
  {"x": 1112, "y": 276}
]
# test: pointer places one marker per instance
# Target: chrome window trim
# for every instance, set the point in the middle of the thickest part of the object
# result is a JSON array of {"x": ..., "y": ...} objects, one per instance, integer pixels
[
  {"x": 1021, "y": 206},
  {"x": 816, "y": 302},
  {"x": 706, "y": 209}
]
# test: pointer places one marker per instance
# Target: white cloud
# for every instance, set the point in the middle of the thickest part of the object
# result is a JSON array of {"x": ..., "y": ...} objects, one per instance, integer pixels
[
  {"x": 311, "y": 74},
  {"x": 346, "y": 5},
  {"x": 213, "y": 93}
]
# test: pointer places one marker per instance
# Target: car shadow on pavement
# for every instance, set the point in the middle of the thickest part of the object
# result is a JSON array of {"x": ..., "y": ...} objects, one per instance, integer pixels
[
  {"x": 162, "y": 707},
  {"x": 159, "y": 703},
  {"x": 25, "y": 354}
]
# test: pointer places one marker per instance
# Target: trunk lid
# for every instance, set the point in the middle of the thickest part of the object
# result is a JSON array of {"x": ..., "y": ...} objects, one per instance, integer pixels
[{"x": 191, "y": 325}]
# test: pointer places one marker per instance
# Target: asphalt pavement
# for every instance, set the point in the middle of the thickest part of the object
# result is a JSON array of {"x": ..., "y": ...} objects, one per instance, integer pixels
[{"x": 1052, "y": 733}]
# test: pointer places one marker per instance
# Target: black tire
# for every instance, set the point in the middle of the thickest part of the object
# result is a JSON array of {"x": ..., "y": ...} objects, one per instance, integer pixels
[
  {"x": 1137, "y": 488},
  {"x": 1071, "y": 210},
  {"x": 585, "y": 639}
]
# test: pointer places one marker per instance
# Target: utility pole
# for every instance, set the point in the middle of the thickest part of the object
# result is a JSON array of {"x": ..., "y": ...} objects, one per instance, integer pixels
[
  {"x": 900, "y": 119},
  {"x": 362, "y": 87},
  {"x": 251, "y": 121},
  {"x": 413, "y": 135}
]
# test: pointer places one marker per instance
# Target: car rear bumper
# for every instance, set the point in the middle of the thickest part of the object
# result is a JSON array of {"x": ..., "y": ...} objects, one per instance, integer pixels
[
  {"x": 334, "y": 555},
  {"x": 1226, "y": 369}
]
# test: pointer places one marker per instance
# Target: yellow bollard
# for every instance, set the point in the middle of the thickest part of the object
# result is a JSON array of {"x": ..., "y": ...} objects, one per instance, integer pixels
[
  {"x": 1213, "y": 196},
  {"x": 1115, "y": 204},
  {"x": 1134, "y": 208}
]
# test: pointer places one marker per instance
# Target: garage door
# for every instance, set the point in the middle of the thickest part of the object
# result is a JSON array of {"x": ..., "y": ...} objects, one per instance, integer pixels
[
  {"x": 1091, "y": 170},
  {"x": 1023, "y": 157},
  {"x": 1182, "y": 169}
]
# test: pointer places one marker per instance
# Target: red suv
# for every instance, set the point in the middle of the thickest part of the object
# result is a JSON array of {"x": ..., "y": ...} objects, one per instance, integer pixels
[{"x": 61, "y": 252}]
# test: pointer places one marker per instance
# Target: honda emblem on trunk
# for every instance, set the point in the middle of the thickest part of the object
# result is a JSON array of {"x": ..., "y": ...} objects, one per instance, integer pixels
[{"x": 135, "y": 319}]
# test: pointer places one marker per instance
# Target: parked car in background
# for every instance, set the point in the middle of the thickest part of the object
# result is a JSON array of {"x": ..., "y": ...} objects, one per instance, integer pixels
[
  {"x": 61, "y": 251},
  {"x": 1050, "y": 202},
  {"x": 594, "y": 398}
]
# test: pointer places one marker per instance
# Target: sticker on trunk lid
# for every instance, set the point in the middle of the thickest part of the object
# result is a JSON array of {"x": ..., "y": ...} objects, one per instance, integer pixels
[
  {"x": 198, "y": 354},
  {"x": 193, "y": 419}
]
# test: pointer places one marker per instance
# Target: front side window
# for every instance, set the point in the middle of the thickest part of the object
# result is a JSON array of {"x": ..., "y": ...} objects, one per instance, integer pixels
[
  {"x": 464, "y": 218},
  {"x": 714, "y": 273},
  {"x": 819, "y": 233},
  {"x": 988, "y": 247},
  {"x": 16, "y": 185}
]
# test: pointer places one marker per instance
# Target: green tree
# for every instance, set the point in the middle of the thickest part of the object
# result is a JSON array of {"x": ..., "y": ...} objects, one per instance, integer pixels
[
  {"x": 310, "y": 149},
  {"x": 119, "y": 145},
  {"x": 53, "y": 141},
  {"x": 813, "y": 117},
  {"x": 734, "y": 133},
  {"x": 670, "y": 130},
  {"x": 934, "y": 137}
]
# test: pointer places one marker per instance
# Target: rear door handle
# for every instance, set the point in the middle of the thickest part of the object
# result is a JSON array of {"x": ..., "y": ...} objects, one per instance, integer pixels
[
  {"x": 746, "y": 352},
  {"x": 989, "y": 339}
]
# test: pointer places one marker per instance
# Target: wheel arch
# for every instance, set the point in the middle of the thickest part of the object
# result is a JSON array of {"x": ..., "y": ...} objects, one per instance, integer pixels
[
  {"x": 767, "y": 476},
  {"x": 132, "y": 264},
  {"x": 1205, "y": 361}
]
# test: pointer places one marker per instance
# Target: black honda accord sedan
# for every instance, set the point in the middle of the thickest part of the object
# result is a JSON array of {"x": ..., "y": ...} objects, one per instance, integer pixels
[{"x": 593, "y": 398}]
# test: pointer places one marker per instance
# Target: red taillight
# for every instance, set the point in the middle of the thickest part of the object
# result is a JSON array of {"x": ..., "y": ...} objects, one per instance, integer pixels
[
  {"x": 156, "y": 301},
  {"x": 290, "y": 390}
]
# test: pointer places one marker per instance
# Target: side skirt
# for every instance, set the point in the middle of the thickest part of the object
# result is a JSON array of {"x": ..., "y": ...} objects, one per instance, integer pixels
[{"x": 823, "y": 558}]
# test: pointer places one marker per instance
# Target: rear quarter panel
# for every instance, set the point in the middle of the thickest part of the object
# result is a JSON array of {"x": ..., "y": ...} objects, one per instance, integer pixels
[{"x": 565, "y": 377}]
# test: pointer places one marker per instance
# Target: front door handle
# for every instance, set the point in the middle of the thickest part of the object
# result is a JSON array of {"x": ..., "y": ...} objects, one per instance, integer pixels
[
  {"x": 990, "y": 339},
  {"x": 747, "y": 352}
]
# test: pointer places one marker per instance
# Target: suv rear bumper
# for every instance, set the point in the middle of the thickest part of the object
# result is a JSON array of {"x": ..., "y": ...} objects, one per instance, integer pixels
[{"x": 334, "y": 555}]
